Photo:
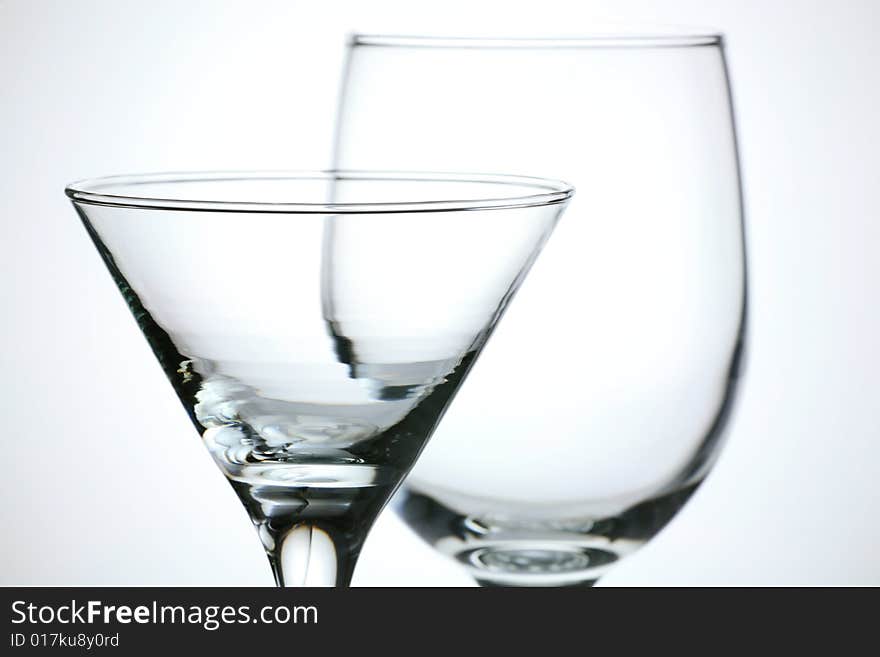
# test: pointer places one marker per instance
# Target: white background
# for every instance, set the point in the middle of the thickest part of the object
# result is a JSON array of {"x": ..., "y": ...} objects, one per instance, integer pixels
[{"x": 104, "y": 480}]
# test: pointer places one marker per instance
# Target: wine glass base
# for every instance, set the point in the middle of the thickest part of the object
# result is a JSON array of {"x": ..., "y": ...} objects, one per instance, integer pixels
[
  {"x": 491, "y": 584},
  {"x": 573, "y": 552},
  {"x": 518, "y": 559}
]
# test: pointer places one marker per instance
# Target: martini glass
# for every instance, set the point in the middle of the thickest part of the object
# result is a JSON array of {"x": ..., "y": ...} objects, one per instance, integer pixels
[
  {"x": 316, "y": 325},
  {"x": 601, "y": 402}
]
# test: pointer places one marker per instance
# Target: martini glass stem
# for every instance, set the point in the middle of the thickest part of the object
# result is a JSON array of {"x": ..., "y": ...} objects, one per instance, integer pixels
[
  {"x": 309, "y": 555},
  {"x": 312, "y": 537}
]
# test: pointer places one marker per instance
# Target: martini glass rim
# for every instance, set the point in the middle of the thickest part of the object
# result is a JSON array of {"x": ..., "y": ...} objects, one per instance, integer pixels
[{"x": 120, "y": 191}]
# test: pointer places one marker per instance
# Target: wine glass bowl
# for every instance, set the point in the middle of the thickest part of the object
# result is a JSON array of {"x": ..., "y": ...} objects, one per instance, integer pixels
[
  {"x": 602, "y": 400},
  {"x": 316, "y": 325}
]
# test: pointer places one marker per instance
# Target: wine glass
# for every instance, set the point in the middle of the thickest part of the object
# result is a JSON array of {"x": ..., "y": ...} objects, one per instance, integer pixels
[
  {"x": 601, "y": 402},
  {"x": 316, "y": 325}
]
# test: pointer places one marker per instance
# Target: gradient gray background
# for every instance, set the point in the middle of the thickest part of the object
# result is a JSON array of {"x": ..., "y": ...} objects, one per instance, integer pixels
[{"x": 104, "y": 480}]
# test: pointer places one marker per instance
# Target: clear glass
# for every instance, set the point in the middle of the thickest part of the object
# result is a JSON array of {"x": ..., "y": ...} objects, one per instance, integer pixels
[
  {"x": 316, "y": 325},
  {"x": 602, "y": 400}
]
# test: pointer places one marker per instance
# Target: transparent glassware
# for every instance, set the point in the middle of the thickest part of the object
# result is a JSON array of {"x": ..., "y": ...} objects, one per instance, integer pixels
[
  {"x": 601, "y": 403},
  {"x": 316, "y": 325}
]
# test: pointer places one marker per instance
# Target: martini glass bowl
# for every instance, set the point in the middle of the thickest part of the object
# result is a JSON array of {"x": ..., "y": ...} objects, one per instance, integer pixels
[{"x": 316, "y": 325}]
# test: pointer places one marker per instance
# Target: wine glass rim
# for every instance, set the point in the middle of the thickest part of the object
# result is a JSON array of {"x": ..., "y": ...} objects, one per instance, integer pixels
[
  {"x": 643, "y": 37},
  {"x": 99, "y": 191}
]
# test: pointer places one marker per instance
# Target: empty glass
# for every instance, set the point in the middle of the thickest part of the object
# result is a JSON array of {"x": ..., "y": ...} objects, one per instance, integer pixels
[
  {"x": 601, "y": 402},
  {"x": 315, "y": 326}
]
